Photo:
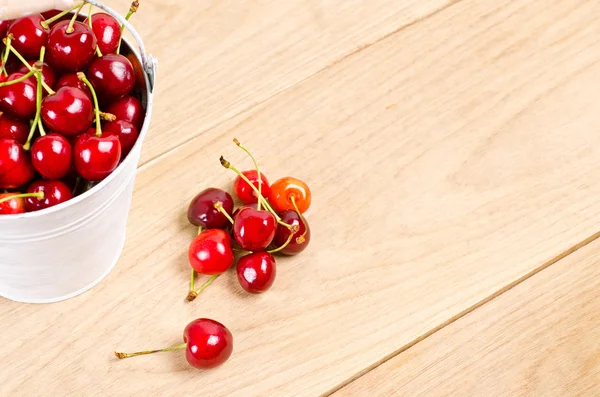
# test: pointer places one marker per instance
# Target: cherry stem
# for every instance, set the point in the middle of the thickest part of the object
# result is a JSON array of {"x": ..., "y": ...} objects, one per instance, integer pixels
[
  {"x": 46, "y": 24},
  {"x": 77, "y": 182},
  {"x": 37, "y": 122},
  {"x": 107, "y": 116},
  {"x": 82, "y": 77},
  {"x": 241, "y": 251},
  {"x": 205, "y": 285},
  {"x": 132, "y": 10},
  {"x": 19, "y": 80},
  {"x": 219, "y": 207},
  {"x": 287, "y": 242},
  {"x": 301, "y": 238},
  {"x": 37, "y": 195},
  {"x": 168, "y": 349},
  {"x": 70, "y": 27},
  {"x": 14, "y": 51},
  {"x": 257, "y": 169},
  {"x": 192, "y": 294},
  {"x": 98, "y": 52},
  {"x": 8, "y": 42}
]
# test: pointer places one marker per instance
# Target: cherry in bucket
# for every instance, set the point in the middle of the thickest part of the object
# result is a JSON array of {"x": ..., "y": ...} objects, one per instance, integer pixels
[{"x": 207, "y": 344}]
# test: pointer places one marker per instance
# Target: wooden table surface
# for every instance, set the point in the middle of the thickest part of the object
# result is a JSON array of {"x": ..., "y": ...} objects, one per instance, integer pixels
[{"x": 452, "y": 150}]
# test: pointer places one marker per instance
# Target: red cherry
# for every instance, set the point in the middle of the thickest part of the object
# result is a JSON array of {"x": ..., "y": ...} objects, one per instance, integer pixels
[
  {"x": 71, "y": 52},
  {"x": 301, "y": 238},
  {"x": 128, "y": 109},
  {"x": 4, "y": 25},
  {"x": 13, "y": 128},
  {"x": 10, "y": 205},
  {"x": 108, "y": 32},
  {"x": 254, "y": 230},
  {"x": 55, "y": 192},
  {"x": 125, "y": 131},
  {"x": 210, "y": 252},
  {"x": 48, "y": 75},
  {"x": 286, "y": 191},
  {"x": 19, "y": 99},
  {"x": 52, "y": 156},
  {"x": 256, "y": 272},
  {"x": 95, "y": 157},
  {"x": 245, "y": 193},
  {"x": 12, "y": 64},
  {"x": 112, "y": 77},
  {"x": 202, "y": 211},
  {"x": 69, "y": 112},
  {"x": 29, "y": 35},
  {"x": 71, "y": 80},
  {"x": 209, "y": 343},
  {"x": 15, "y": 164}
]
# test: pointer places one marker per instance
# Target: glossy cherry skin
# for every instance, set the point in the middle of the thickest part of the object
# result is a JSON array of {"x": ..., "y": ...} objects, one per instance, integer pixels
[
  {"x": 19, "y": 99},
  {"x": 202, "y": 211},
  {"x": 244, "y": 191},
  {"x": 68, "y": 112},
  {"x": 112, "y": 77},
  {"x": 4, "y": 25},
  {"x": 256, "y": 272},
  {"x": 301, "y": 238},
  {"x": 210, "y": 252},
  {"x": 209, "y": 343},
  {"x": 12, "y": 206},
  {"x": 125, "y": 131},
  {"x": 55, "y": 192},
  {"x": 48, "y": 74},
  {"x": 108, "y": 32},
  {"x": 15, "y": 164},
  {"x": 71, "y": 80},
  {"x": 30, "y": 35},
  {"x": 52, "y": 156},
  {"x": 71, "y": 52},
  {"x": 254, "y": 230},
  {"x": 283, "y": 189},
  {"x": 94, "y": 157},
  {"x": 13, "y": 128},
  {"x": 128, "y": 109}
]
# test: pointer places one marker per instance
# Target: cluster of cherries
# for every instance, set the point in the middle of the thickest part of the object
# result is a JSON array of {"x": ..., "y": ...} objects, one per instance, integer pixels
[
  {"x": 57, "y": 71},
  {"x": 270, "y": 220}
]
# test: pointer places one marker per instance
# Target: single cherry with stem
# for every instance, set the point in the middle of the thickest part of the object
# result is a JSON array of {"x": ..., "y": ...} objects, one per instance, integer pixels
[
  {"x": 14, "y": 203},
  {"x": 202, "y": 212},
  {"x": 53, "y": 193},
  {"x": 299, "y": 240},
  {"x": 95, "y": 155},
  {"x": 112, "y": 76},
  {"x": 69, "y": 111},
  {"x": 29, "y": 35},
  {"x": 290, "y": 194},
  {"x": 207, "y": 344},
  {"x": 107, "y": 30},
  {"x": 254, "y": 230},
  {"x": 256, "y": 272}
]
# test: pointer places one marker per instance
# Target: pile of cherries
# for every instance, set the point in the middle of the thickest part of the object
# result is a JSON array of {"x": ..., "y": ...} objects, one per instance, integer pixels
[
  {"x": 270, "y": 220},
  {"x": 69, "y": 109}
]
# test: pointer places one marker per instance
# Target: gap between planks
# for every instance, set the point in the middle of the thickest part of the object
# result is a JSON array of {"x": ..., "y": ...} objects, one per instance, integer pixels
[
  {"x": 460, "y": 315},
  {"x": 356, "y": 51}
]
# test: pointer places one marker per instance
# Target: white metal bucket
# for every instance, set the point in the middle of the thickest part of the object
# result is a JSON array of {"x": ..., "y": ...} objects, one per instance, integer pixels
[{"x": 63, "y": 251}]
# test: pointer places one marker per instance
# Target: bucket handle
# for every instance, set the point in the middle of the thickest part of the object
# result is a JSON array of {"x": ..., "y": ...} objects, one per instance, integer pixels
[{"x": 148, "y": 61}]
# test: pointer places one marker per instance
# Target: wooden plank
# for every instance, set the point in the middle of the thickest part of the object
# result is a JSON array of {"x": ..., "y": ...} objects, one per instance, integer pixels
[
  {"x": 447, "y": 161},
  {"x": 539, "y": 339},
  {"x": 219, "y": 58}
]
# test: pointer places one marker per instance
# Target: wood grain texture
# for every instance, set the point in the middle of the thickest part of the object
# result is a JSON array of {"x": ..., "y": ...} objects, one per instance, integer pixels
[
  {"x": 219, "y": 58},
  {"x": 446, "y": 161},
  {"x": 542, "y": 338}
]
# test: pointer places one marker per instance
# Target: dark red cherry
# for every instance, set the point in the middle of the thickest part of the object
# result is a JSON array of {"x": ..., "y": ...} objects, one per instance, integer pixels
[
  {"x": 13, "y": 128},
  {"x": 4, "y": 25},
  {"x": 112, "y": 77},
  {"x": 108, "y": 32},
  {"x": 71, "y": 80},
  {"x": 12, "y": 205},
  {"x": 254, "y": 230},
  {"x": 209, "y": 343},
  {"x": 15, "y": 164},
  {"x": 52, "y": 156},
  {"x": 256, "y": 272},
  {"x": 68, "y": 112},
  {"x": 202, "y": 211},
  {"x": 210, "y": 252},
  {"x": 55, "y": 192},
  {"x": 48, "y": 74},
  {"x": 19, "y": 99},
  {"x": 95, "y": 157},
  {"x": 71, "y": 52},
  {"x": 244, "y": 191},
  {"x": 128, "y": 109},
  {"x": 12, "y": 64},
  {"x": 125, "y": 131},
  {"x": 29, "y": 35},
  {"x": 301, "y": 238}
]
